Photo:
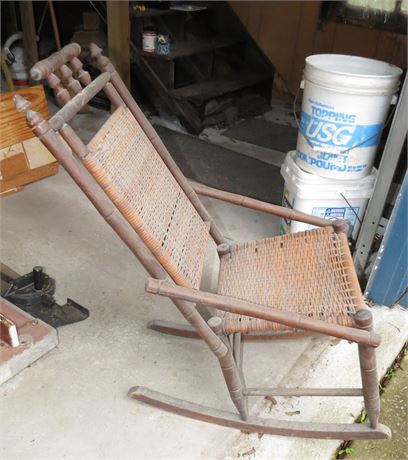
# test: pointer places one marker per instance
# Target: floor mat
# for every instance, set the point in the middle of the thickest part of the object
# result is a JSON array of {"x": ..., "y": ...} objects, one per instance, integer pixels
[
  {"x": 264, "y": 133},
  {"x": 224, "y": 169}
]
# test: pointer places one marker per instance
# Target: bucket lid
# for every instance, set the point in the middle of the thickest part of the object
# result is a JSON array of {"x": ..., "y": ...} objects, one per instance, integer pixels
[{"x": 352, "y": 73}]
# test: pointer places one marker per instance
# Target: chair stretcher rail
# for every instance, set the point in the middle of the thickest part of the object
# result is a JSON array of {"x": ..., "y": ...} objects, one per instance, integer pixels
[
  {"x": 303, "y": 391},
  {"x": 233, "y": 305}
]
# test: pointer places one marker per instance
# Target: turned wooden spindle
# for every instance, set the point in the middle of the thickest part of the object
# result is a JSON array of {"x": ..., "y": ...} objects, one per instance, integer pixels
[
  {"x": 61, "y": 93},
  {"x": 100, "y": 61},
  {"x": 42, "y": 69},
  {"x": 83, "y": 76},
  {"x": 73, "y": 86},
  {"x": 368, "y": 366},
  {"x": 78, "y": 68}
]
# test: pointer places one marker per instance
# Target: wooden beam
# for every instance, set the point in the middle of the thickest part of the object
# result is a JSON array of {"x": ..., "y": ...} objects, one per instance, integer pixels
[
  {"x": 30, "y": 35},
  {"x": 118, "y": 37}
]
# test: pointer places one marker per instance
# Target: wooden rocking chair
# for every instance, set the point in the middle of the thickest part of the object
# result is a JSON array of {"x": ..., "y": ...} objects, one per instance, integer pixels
[{"x": 286, "y": 284}]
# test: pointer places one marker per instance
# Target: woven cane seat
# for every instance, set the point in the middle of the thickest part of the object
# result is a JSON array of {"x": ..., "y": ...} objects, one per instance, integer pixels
[
  {"x": 310, "y": 273},
  {"x": 127, "y": 166}
]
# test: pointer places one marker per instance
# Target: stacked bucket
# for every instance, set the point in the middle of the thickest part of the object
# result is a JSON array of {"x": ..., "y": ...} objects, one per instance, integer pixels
[{"x": 346, "y": 100}]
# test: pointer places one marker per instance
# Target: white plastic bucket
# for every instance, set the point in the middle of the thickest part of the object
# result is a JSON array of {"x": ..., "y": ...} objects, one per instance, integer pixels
[
  {"x": 322, "y": 197},
  {"x": 345, "y": 102}
]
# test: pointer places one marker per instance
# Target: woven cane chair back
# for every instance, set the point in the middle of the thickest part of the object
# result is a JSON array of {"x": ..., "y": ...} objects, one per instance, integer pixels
[{"x": 126, "y": 165}]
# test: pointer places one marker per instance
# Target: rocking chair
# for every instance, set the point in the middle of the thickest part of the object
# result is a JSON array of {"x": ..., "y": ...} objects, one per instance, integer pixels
[{"x": 303, "y": 282}]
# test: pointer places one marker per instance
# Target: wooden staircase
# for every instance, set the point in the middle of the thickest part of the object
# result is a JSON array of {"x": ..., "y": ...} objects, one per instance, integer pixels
[{"x": 213, "y": 66}]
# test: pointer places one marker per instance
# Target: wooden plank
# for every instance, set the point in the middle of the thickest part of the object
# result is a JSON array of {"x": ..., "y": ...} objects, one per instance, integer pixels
[
  {"x": 11, "y": 191},
  {"x": 213, "y": 88},
  {"x": 30, "y": 176},
  {"x": 30, "y": 35},
  {"x": 118, "y": 37},
  {"x": 151, "y": 12},
  {"x": 8, "y": 332},
  {"x": 11, "y": 150},
  {"x": 13, "y": 166},
  {"x": 189, "y": 48},
  {"x": 14, "y": 128},
  {"x": 37, "y": 154}
]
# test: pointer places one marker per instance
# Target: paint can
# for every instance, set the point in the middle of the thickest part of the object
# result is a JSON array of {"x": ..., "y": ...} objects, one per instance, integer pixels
[{"x": 149, "y": 41}]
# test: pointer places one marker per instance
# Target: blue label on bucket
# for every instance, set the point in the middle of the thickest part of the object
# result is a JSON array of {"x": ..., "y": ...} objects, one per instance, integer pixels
[
  {"x": 348, "y": 214},
  {"x": 327, "y": 128},
  {"x": 324, "y": 161}
]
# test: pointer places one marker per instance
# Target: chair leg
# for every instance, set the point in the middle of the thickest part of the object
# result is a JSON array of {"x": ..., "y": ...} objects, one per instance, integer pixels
[
  {"x": 210, "y": 332},
  {"x": 368, "y": 366},
  {"x": 230, "y": 370}
]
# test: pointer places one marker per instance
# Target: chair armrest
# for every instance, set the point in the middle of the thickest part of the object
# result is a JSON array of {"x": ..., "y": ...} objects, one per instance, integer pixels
[
  {"x": 241, "y": 307},
  {"x": 251, "y": 203}
]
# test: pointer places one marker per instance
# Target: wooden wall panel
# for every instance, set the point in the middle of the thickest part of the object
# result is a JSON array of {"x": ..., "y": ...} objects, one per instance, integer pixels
[
  {"x": 355, "y": 40},
  {"x": 324, "y": 37},
  {"x": 118, "y": 37},
  {"x": 278, "y": 33},
  {"x": 289, "y": 31},
  {"x": 241, "y": 9},
  {"x": 392, "y": 48},
  {"x": 254, "y": 19},
  {"x": 310, "y": 12}
]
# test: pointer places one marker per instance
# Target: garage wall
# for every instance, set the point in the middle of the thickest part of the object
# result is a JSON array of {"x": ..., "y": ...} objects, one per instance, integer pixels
[{"x": 288, "y": 31}]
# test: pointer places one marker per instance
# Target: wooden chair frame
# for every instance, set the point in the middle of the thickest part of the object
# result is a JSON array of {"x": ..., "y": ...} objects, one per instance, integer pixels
[{"x": 74, "y": 88}]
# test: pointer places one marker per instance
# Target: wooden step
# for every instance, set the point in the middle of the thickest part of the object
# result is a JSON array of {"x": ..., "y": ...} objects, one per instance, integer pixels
[
  {"x": 151, "y": 12},
  {"x": 192, "y": 47},
  {"x": 200, "y": 92}
]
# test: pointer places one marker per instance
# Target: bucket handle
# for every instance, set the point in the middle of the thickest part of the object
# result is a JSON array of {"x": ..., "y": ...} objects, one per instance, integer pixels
[{"x": 307, "y": 139}]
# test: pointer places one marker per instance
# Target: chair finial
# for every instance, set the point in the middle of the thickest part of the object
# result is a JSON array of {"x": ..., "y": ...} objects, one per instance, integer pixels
[
  {"x": 102, "y": 62},
  {"x": 21, "y": 103},
  {"x": 33, "y": 118}
]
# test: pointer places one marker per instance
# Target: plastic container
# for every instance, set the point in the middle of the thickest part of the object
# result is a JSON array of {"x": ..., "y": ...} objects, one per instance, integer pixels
[
  {"x": 326, "y": 198},
  {"x": 15, "y": 58},
  {"x": 149, "y": 41},
  {"x": 345, "y": 102}
]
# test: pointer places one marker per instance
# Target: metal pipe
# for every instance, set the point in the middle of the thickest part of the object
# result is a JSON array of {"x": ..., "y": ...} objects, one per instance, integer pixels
[{"x": 242, "y": 307}]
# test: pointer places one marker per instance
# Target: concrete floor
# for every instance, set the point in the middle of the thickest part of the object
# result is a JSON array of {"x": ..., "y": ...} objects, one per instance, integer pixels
[{"x": 73, "y": 404}]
